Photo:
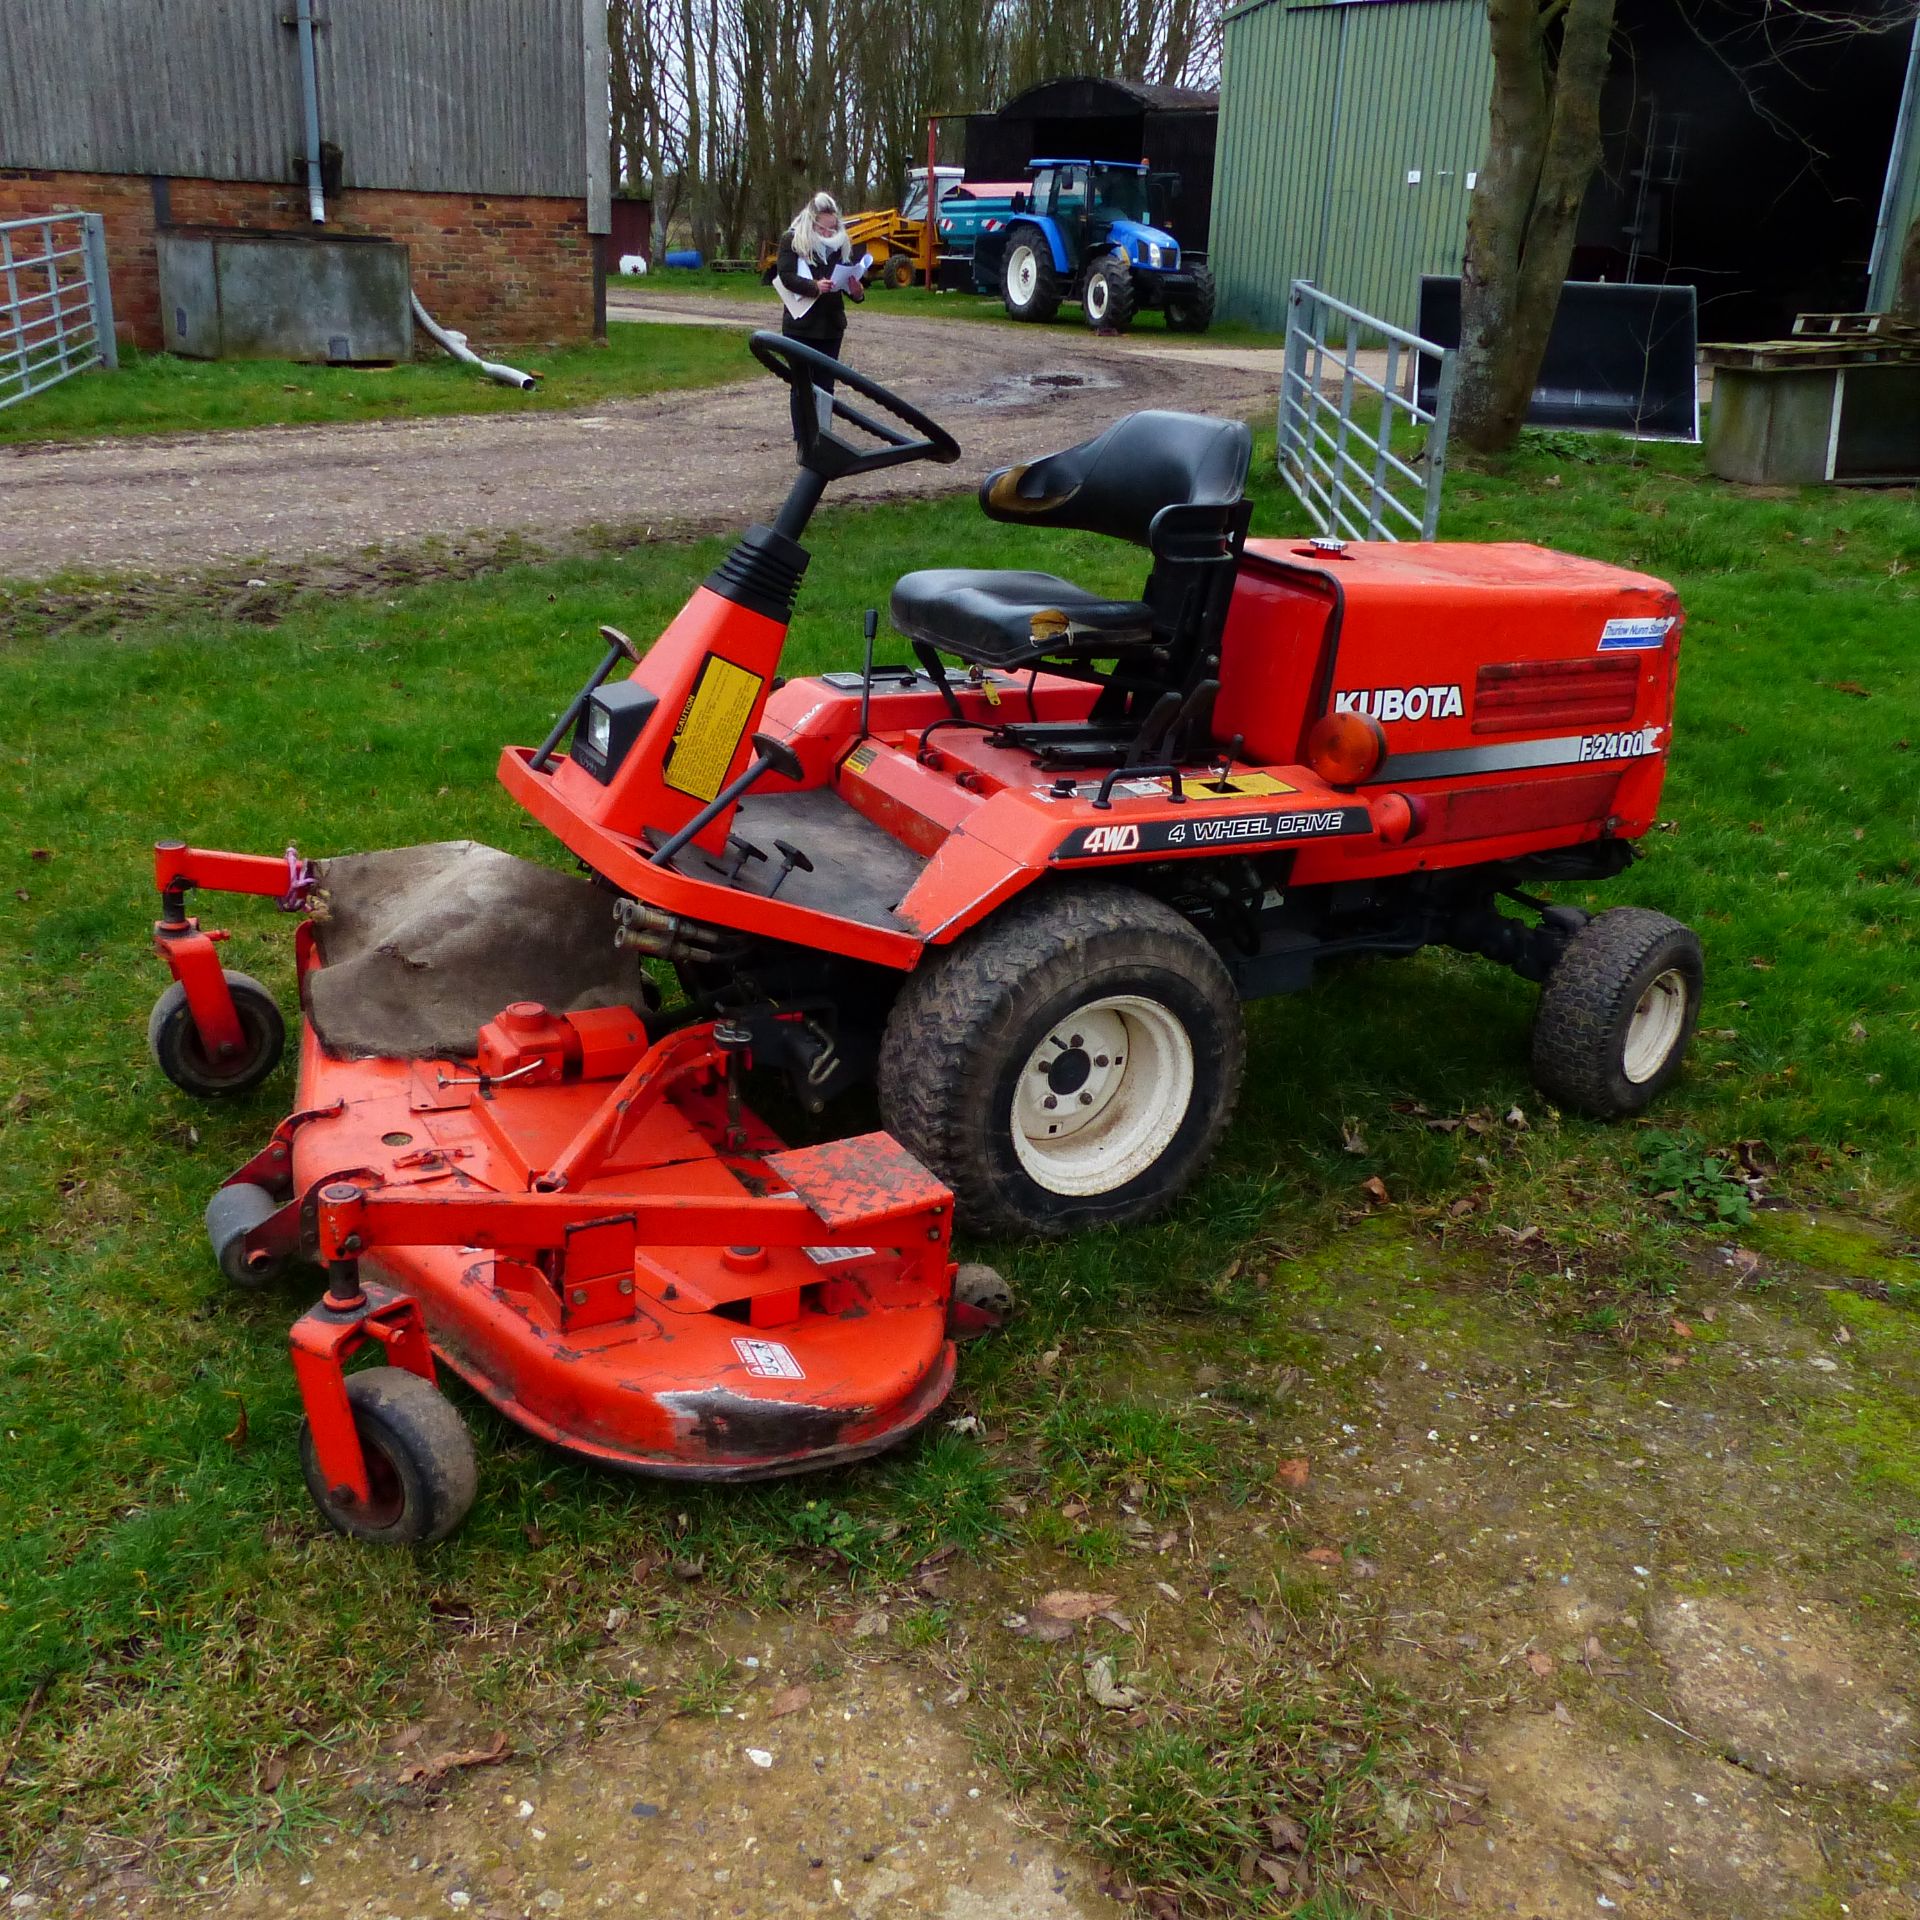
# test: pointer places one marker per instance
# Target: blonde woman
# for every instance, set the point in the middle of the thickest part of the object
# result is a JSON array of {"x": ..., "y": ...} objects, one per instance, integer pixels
[{"x": 816, "y": 311}]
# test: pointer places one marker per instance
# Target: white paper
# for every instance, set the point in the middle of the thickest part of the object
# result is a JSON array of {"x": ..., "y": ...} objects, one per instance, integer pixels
[{"x": 850, "y": 272}]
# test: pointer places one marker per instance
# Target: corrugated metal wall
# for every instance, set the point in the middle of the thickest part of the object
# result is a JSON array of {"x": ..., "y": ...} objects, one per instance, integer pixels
[
  {"x": 449, "y": 96},
  {"x": 1348, "y": 135},
  {"x": 1900, "y": 203}
]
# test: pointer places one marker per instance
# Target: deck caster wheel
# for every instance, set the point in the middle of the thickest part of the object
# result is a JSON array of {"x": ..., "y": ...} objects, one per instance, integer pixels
[
  {"x": 232, "y": 1214},
  {"x": 1617, "y": 1012},
  {"x": 175, "y": 1040},
  {"x": 982, "y": 1301},
  {"x": 419, "y": 1462},
  {"x": 1070, "y": 1064}
]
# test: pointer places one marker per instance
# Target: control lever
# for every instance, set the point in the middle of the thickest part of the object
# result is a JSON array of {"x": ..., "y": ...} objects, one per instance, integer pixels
[
  {"x": 619, "y": 647},
  {"x": 872, "y": 627},
  {"x": 769, "y": 756},
  {"x": 790, "y": 857}
]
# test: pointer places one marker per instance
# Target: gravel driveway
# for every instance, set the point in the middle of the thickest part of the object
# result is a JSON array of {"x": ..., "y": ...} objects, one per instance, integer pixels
[{"x": 689, "y": 460}]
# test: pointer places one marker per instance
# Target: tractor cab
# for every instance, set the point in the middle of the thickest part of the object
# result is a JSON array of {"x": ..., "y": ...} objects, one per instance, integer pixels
[{"x": 1101, "y": 205}]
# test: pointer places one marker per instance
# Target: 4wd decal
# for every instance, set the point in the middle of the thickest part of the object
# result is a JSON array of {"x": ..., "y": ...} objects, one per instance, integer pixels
[
  {"x": 1218, "y": 831},
  {"x": 1403, "y": 703}
]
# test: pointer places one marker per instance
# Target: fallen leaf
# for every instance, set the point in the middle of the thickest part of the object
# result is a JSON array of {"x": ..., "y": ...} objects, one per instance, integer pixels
[
  {"x": 1293, "y": 1473},
  {"x": 273, "y": 1773},
  {"x": 1047, "y": 1632},
  {"x": 238, "y": 1437},
  {"x": 1683, "y": 1330},
  {"x": 871, "y": 1626},
  {"x": 1442, "y": 1126},
  {"x": 788, "y": 1700},
  {"x": 1104, "y": 1690},
  {"x": 423, "y": 1772},
  {"x": 1325, "y": 1556},
  {"x": 1376, "y": 1190},
  {"x": 1352, "y": 1140},
  {"x": 1517, "y": 1119},
  {"x": 1561, "y": 1714},
  {"x": 1278, "y": 1872},
  {"x": 1068, "y": 1604},
  {"x": 408, "y": 1736},
  {"x": 39, "y": 853},
  {"x": 1286, "y": 1833},
  {"x": 1850, "y": 686},
  {"x": 1845, "y": 1337},
  {"x": 1542, "y": 1663}
]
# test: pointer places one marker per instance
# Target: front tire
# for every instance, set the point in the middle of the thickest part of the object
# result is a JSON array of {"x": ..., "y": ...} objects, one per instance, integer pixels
[
  {"x": 420, "y": 1462},
  {"x": 1108, "y": 298},
  {"x": 1029, "y": 281},
  {"x": 1070, "y": 1064},
  {"x": 1617, "y": 1012},
  {"x": 898, "y": 272},
  {"x": 1193, "y": 312},
  {"x": 175, "y": 1042}
]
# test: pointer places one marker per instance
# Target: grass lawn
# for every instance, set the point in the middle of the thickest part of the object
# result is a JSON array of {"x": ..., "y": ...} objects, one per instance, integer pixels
[
  {"x": 918, "y": 303},
  {"x": 188, "y": 1660},
  {"x": 161, "y": 393}
]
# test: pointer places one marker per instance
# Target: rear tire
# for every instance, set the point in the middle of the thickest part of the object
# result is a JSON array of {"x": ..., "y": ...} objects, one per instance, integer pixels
[
  {"x": 1108, "y": 298},
  {"x": 898, "y": 272},
  {"x": 1617, "y": 1012},
  {"x": 1193, "y": 312},
  {"x": 419, "y": 1460},
  {"x": 1070, "y": 1064},
  {"x": 175, "y": 1041},
  {"x": 1029, "y": 281}
]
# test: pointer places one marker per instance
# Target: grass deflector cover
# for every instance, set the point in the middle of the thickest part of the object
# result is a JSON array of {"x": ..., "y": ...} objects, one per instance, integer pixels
[{"x": 1026, "y": 893}]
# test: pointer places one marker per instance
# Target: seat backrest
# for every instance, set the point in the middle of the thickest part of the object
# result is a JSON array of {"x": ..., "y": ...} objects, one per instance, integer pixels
[{"x": 1118, "y": 481}]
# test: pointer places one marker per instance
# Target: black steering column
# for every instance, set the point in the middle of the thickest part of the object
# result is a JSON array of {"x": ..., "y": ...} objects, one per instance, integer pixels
[{"x": 825, "y": 455}]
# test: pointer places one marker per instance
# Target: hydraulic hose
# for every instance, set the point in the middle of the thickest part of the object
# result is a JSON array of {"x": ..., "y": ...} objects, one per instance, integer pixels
[{"x": 456, "y": 344}]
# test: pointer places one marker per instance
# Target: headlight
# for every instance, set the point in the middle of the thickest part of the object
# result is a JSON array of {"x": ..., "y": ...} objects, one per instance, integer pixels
[
  {"x": 1153, "y": 254},
  {"x": 599, "y": 729}
]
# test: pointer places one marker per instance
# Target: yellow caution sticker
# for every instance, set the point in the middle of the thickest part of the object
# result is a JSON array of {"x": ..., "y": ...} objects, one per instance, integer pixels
[
  {"x": 708, "y": 736},
  {"x": 861, "y": 758},
  {"x": 1241, "y": 783}
]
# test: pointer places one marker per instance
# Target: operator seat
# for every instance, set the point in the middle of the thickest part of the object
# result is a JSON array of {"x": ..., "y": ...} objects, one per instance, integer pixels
[{"x": 1170, "y": 482}]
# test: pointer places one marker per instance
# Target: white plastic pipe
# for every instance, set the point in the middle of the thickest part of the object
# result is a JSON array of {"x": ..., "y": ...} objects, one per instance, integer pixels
[{"x": 456, "y": 344}]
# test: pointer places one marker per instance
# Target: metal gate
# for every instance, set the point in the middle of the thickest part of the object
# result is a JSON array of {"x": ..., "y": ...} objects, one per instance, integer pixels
[
  {"x": 1351, "y": 480},
  {"x": 56, "y": 314}
]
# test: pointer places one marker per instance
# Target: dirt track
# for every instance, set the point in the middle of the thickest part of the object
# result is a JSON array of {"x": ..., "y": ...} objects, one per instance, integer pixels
[{"x": 708, "y": 458}]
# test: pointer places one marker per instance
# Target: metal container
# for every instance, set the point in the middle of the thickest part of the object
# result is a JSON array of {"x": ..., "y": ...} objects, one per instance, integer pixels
[{"x": 231, "y": 294}]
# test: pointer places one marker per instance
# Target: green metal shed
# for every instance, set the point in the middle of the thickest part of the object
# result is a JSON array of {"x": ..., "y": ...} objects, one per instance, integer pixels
[
  {"x": 1349, "y": 138},
  {"x": 1900, "y": 203}
]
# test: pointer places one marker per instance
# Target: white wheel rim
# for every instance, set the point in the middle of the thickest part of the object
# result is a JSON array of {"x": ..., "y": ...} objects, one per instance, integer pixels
[
  {"x": 1097, "y": 297},
  {"x": 1023, "y": 274},
  {"x": 1102, "y": 1096},
  {"x": 1654, "y": 1030}
]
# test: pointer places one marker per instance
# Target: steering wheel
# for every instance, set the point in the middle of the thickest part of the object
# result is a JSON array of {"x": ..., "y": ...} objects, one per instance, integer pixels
[{"x": 823, "y": 451}]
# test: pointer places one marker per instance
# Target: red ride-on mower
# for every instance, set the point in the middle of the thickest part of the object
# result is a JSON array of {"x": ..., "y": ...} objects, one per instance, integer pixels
[{"x": 1025, "y": 884}]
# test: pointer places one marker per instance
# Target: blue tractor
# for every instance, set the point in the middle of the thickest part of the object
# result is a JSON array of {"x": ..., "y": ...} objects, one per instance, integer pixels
[{"x": 1084, "y": 230}]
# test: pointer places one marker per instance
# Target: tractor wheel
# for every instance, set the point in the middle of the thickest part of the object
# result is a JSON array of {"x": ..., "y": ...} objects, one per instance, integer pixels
[
  {"x": 1108, "y": 298},
  {"x": 1029, "y": 282},
  {"x": 1617, "y": 1012},
  {"x": 175, "y": 1040},
  {"x": 898, "y": 272},
  {"x": 1193, "y": 312},
  {"x": 1069, "y": 1064},
  {"x": 232, "y": 1214},
  {"x": 420, "y": 1462}
]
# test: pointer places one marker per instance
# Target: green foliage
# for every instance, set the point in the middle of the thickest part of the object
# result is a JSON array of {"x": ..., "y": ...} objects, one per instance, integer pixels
[{"x": 1697, "y": 1183}]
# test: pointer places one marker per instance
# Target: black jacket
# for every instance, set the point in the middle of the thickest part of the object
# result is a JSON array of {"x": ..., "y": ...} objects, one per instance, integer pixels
[{"x": 826, "y": 319}]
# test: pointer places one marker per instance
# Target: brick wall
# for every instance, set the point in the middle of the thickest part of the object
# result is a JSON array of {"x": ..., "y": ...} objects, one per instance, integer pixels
[{"x": 507, "y": 270}]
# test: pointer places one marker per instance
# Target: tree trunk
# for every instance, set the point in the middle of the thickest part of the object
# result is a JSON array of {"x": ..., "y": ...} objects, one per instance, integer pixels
[
  {"x": 1906, "y": 286},
  {"x": 1543, "y": 144}
]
